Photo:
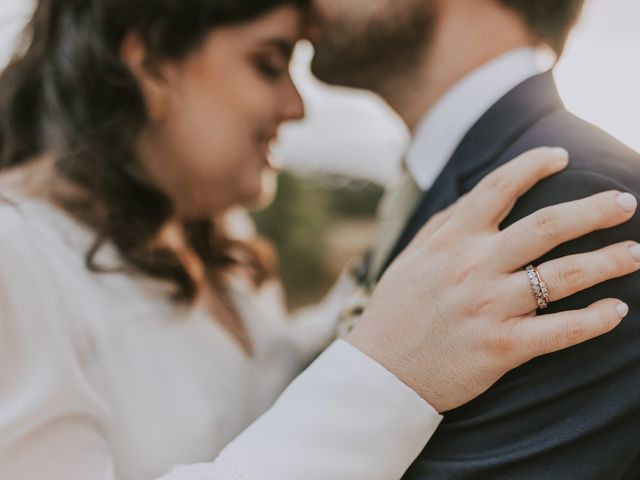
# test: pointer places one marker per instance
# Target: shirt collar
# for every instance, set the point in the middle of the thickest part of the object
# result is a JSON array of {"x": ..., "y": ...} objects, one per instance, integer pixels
[{"x": 444, "y": 126}]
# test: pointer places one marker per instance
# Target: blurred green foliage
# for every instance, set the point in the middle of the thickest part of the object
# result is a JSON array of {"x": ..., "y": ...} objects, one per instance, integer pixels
[{"x": 303, "y": 214}]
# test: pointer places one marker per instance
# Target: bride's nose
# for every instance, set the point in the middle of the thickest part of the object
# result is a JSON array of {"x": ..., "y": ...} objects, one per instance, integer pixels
[{"x": 292, "y": 104}]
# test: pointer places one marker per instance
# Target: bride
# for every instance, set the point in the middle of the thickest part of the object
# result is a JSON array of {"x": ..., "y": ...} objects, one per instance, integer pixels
[{"x": 139, "y": 338}]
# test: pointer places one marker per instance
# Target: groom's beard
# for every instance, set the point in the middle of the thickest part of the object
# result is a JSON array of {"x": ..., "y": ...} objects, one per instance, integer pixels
[{"x": 375, "y": 52}]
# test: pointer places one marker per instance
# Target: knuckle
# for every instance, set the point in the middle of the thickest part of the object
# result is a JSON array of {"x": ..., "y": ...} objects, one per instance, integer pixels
[
  {"x": 619, "y": 261},
  {"x": 572, "y": 275},
  {"x": 464, "y": 273},
  {"x": 602, "y": 207},
  {"x": 497, "y": 182},
  {"x": 575, "y": 332},
  {"x": 532, "y": 160},
  {"x": 547, "y": 224},
  {"x": 486, "y": 305}
]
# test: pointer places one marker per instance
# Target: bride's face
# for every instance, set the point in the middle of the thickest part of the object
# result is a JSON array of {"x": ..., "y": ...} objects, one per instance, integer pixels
[{"x": 217, "y": 110}]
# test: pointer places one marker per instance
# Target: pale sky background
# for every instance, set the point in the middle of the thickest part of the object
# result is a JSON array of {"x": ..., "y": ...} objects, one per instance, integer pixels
[{"x": 355, "y": 134}]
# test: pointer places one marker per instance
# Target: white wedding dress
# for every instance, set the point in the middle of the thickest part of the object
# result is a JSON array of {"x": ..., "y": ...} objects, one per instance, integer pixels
[{"x": 102, "y": 378}]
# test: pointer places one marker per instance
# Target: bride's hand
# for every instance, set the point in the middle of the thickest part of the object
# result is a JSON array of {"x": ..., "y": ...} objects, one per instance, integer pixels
[{"x": 456, "y": 310}]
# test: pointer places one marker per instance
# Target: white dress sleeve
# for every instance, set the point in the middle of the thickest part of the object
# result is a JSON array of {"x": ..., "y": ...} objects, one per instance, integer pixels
[
  {"x": 345, "y": 417},
  {"x": 49, "y": 416}
]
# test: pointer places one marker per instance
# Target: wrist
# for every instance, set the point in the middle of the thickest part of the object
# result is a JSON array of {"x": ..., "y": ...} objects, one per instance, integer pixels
[{"x": 385, "y": 352}]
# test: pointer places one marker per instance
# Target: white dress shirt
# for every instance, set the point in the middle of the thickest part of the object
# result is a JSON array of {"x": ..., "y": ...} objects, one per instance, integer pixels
[
  {"x": 445, "y": 125},
  {"x": 103, "y": 378}
]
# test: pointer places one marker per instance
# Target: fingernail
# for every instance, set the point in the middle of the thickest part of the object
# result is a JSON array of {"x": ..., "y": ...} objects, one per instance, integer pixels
[
  {"x": 561, "y": 153},
  {"x": 628, "y": 202},
  {"x": 635, "y": 252},
  {"x": 623, "y": 310}
]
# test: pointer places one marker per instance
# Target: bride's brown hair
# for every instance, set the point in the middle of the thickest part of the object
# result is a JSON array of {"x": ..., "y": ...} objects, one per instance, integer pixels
[{"x": 67, "y": 92}]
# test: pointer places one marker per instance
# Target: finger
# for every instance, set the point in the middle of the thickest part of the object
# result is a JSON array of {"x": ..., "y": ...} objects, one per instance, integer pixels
[
  {"x": 535, "y": 336},
  {"x": 492, "y": 199},
  {"x": 433, "y": 225},
  {"x": 542, "y": 231},
  {"x": 569, "y": 275}
]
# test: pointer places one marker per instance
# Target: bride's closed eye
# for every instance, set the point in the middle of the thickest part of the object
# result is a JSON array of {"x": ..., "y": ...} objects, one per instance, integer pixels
[
  {"x": 271, "y": 67},
  {"x": 273, "y": 61}
]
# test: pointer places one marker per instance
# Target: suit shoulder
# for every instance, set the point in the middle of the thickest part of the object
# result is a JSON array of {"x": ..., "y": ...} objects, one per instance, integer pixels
[
  {"x": 598, "y": 162},
  {"x": 594, "y": 153}
]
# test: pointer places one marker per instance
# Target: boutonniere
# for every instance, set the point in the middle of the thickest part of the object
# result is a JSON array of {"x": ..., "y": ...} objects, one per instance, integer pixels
[{"x": 357, "y": 301}]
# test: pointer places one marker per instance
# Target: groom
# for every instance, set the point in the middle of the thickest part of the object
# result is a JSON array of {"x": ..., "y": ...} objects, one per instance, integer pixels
[{"x": 463, "y": 76}]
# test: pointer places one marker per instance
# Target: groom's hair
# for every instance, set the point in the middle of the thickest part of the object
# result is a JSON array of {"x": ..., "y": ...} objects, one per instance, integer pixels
[{"x": 550, "y": 20}]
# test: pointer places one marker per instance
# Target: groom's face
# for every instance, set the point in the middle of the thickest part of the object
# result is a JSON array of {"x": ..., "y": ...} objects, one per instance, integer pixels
[{"x": 364, "y": 43}]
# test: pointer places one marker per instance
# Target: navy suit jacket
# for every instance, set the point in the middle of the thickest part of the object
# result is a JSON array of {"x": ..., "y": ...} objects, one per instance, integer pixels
[{"x": 575, "y": 414}]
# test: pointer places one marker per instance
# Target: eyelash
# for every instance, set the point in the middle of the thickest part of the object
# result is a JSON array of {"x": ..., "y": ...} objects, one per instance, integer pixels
[{"x": 268, "y": 70}]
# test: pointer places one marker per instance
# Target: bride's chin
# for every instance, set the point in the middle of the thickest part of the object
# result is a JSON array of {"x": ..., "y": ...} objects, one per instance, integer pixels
[
  {"x": 255, "y": 192},
  {"x": 263, "y": 191},
  {"x": 269, "y": 187}
]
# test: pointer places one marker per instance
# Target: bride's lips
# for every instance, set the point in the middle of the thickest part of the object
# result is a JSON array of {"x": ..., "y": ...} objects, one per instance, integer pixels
[{"x": 265, "y": 144}]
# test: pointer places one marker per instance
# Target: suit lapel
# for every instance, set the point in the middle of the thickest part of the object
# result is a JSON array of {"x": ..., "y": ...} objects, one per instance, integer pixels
[{"x": 491, "y": 136}]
